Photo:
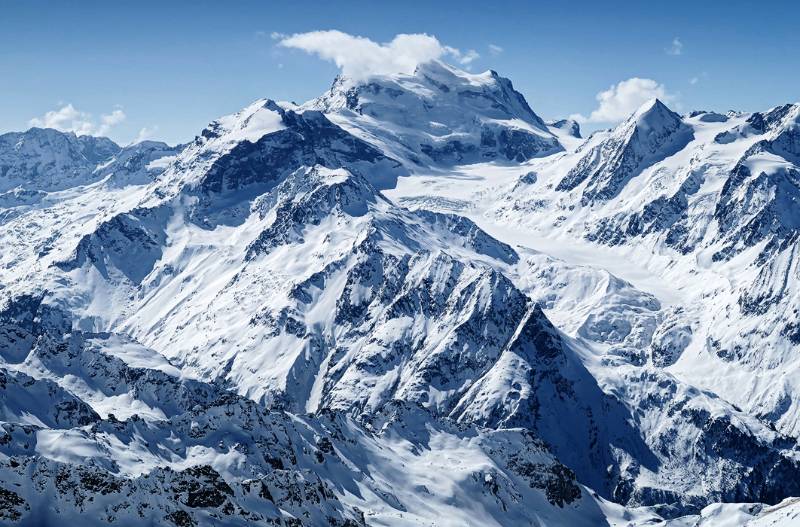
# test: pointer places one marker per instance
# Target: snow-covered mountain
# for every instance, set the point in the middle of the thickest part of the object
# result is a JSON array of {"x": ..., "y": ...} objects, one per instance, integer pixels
[
  {"x": 409, "y": 301},
  {"x": 440, "y": 116},
  {"x": 651, "y": 134},
  {"x": 717, "y": 219},
  {"x": 46, "y": 159}
]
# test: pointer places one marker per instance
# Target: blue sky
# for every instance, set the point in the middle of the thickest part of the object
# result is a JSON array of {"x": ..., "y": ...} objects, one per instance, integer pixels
[{"x": 168, "y": 68}]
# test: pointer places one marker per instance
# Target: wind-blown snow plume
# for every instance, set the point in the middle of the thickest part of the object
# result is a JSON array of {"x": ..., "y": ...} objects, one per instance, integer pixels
[{"x": 145, "y": 133}]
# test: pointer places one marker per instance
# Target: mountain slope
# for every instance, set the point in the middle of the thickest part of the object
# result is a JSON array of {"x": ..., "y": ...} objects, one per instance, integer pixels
[{"x": 194, "y": 452}]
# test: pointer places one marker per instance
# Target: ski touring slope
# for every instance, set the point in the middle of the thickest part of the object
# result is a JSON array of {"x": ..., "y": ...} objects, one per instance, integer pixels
[{"x": 410, "y": 301}]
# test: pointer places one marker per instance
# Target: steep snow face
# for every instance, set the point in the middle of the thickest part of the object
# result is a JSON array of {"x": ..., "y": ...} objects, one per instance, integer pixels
[
  {"x": 759, "y": 199},
  {"x": 44, "y": 159},
  {"x": 304, "y": 139},
  {"x": 746, "y": 186},
  {"x": 659, "y": 231},
  {"x": 569, "y": 126},
  {"x": 347, "y": 228},
  {"x": 568, "y": 133},
  {"x": 28, "y": 401},
  {"x": 440, "y": 115},
  {"x": 55, "y": 203},
  {"x": 239, "y": 157}
]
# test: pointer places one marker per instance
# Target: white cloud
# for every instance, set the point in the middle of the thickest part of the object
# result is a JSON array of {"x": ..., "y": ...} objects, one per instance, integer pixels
[
  {"x": 676, "y": 48},
  {"x": 110, "y": 120},
  {"x": 70, "y": 119},
  {"x": 619, "y": 101},
  {"x": 694, "y": 80},
  {"x": 360, "y": 57},
  {"x": 66, "y": 118},
  {"x": 145, "y": 134},
  {"x": 466, "y": 58},
  {"x": 495, "y": 50}
]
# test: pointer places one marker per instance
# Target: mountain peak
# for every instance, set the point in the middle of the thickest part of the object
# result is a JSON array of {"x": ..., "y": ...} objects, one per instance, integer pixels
[
  {"x": 434, "y": 82},
  {"x": 652, "y": 103},
  {"x": 650, "y": 134},
  {"x": 441, "y": 114},
  {"x": 49, "y": 159},
  {"x": 654, "y": 112},
  {"x": 444, "y": 71},
  {"x": 570, "y": 126},
  {"x": 249, "y": 124},
  {"x": 273, "y": 332}
]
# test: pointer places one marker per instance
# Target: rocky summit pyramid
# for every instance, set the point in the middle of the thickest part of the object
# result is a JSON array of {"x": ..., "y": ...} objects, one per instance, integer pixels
[{"x": 410, "y": 301}]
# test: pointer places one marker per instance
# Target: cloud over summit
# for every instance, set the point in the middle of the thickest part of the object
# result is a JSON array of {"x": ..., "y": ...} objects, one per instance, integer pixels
[
  {"x": 622, "y": 99},
  {"x": 359, "y": 57}
]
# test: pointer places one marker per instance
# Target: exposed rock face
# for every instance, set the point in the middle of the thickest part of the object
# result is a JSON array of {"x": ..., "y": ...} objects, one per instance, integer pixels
[{"x": 305, "y": 139}]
